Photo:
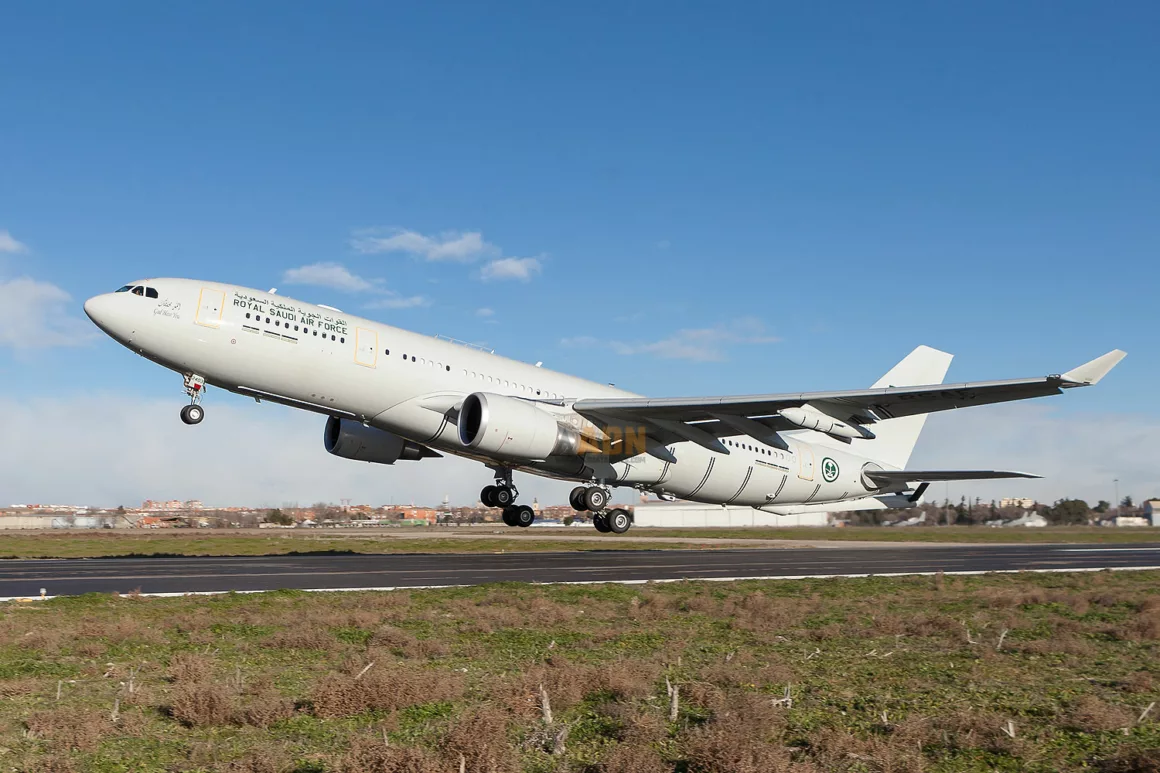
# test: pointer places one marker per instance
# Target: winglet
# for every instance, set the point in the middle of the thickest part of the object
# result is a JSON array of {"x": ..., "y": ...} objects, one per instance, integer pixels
[{"x": 1091, "y": 372}]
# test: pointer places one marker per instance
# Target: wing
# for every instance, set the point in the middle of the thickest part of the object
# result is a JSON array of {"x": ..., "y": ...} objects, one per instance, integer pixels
[
  {"x": 928, "y": 476},
  {"x": 843, "y": 415}
]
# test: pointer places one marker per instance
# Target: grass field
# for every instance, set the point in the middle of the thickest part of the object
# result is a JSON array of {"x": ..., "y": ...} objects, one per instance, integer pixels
[
  {"x": 493, "y": 538},
  {"x": 1009, "y": 672}
]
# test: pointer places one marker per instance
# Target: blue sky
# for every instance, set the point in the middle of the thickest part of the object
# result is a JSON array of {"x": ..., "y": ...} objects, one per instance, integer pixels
[{"x": 704, "y": 200}]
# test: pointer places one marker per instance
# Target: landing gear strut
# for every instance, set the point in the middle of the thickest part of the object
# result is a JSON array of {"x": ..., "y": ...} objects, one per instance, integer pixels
[
  {"x": 594, "y": 499},
  {"x": 194, "y": 387}
]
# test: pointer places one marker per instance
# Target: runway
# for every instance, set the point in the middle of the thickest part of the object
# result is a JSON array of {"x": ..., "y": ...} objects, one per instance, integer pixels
[{"x": 59, "y": 577}]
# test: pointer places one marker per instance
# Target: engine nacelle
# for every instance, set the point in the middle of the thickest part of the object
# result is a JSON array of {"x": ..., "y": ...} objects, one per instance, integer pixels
[
  {"x": 499, "y": 425},
  {"x": 352, "y": 440}
]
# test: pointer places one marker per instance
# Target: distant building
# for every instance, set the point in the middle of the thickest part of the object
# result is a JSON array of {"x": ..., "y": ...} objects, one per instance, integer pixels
[
  {"x": 1152, "y": 511},
  {"x": 694, "y": 515},
  {"x": 1128, "y": 520},
  {"x": 1025, "y": 503}
]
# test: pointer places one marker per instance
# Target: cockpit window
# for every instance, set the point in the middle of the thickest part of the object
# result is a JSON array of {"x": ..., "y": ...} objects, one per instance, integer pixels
[
  {"x": 150, "y": 292},
  {"x": 138, "y": 290},
  {"x": 125, "y": 289}
]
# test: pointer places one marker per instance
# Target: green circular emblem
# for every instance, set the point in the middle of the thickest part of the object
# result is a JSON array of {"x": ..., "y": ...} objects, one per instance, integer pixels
[{"x": 829, "y": 470}]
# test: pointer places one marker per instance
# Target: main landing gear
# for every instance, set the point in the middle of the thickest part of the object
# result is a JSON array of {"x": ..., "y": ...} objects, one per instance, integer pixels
[
  {"x": 595, "y": 499},
  {"x": 503, "y": 494},
  {"x": 194, "y": 387}
]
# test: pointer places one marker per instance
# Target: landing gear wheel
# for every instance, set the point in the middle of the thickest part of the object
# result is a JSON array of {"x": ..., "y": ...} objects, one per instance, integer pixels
[
  {"x": 487, "y": 496},
  {"x": 595, "y": 499},
  {"x": 523, "y": 515},
  {"x": 192, "y": 414},
  {"x": 600, "y": 521},
  {"x": 576, "y": 498},
  {"x": 509, "y": 515},
  {"x": 618, "y": 520},
  {"x": 503, "y": 496}
]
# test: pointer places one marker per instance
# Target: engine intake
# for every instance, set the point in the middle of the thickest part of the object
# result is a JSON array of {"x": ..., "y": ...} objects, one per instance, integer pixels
[
  {"x": 352, "y": 440},
  {"x": 510, "y": 427}
]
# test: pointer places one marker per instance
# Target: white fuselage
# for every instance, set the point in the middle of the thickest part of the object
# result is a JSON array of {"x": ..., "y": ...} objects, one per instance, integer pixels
[{"x": 313, "y": 357}]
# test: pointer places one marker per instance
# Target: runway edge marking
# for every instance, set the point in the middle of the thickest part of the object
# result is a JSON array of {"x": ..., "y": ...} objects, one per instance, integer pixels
[{"x": 616, "y": 582}]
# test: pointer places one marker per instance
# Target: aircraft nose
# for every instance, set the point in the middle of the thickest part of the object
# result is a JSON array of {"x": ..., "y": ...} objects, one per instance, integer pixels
[
  {"x": 102, "y": 310},
  {"x": 97, "y": 309}
]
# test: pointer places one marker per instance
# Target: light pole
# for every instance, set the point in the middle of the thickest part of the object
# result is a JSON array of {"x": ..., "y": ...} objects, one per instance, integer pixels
[{"x": 1116, "y": 504}]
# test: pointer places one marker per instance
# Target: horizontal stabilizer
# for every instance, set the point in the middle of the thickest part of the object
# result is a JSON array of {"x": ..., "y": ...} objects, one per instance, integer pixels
[
  {"x": 925, "y": 476},
  {"x": 1092, "y": 372}
]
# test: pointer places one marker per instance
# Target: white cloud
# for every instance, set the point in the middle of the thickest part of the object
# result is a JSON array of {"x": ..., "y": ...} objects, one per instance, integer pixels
[
  {"x": 707, "y": 344},
  {"x": 1078, "y": 455},
  {"x": 395, "y": 301},
  {"x": 122, "y": 449},
  {"x": 36, "y": 315},
  {"x": 8, "y": 244},
  {"x": 332, "y": 275},
  {"x": 485, "y": 312},
  {"x": 458, "y": 246},
  {"x": 511, "y": 268}
]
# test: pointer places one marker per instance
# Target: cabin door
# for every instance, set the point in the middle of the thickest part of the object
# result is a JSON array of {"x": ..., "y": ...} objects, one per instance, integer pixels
[{"x": 366, "y": 347}]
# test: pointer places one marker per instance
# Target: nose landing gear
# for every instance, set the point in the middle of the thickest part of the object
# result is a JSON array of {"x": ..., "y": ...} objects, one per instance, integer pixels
[{"x": 194, "y": 387}]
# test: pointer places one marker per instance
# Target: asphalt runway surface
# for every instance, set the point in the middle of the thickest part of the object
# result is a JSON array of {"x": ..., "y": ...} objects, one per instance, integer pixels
[{"x": 57, "y": 577}]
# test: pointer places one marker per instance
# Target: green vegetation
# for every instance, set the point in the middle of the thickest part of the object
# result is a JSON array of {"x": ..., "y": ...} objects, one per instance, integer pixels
[
  {"x": 494, "y": 539},
  {"x": 1005, "y": 672}
]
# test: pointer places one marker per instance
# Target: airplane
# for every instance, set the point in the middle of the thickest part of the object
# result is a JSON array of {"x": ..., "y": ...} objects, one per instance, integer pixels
[{"x": 391, "y": 395}]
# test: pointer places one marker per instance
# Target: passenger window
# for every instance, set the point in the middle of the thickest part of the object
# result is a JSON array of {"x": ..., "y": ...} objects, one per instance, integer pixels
[
  {"x": 412, "y": 358},
  {"x": 448, "y": 368},
  {"x": 267, "y": 320},
  {"x": 150, "y": 292},
  {"x": 387, "y": 352},
  {"x": 247, "y": 315},
  {"x": 341, "y": 340},
  {"x": 277, "y": 323}
]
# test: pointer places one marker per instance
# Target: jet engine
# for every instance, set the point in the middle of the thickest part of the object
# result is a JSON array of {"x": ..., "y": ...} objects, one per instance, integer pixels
[
  {"x": 352, "y": 440},
  {"x": 504, "y": 426}
]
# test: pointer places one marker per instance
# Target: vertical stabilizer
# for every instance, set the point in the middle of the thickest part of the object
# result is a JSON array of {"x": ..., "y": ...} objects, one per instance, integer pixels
[{"x": 895, "y": 438}]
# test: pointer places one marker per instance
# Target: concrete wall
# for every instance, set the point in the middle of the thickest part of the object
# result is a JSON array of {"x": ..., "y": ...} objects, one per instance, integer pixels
[{"x": 693, "y": 515}]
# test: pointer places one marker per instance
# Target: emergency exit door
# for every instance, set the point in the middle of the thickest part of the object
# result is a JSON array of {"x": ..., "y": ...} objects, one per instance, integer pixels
[
  {"x": 806, "y": 460},
  {"x": 366, "y": 344},
  {"x": 210, "y": 306}
]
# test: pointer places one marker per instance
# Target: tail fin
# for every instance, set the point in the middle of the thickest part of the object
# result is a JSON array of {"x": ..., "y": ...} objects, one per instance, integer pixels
[{"x": 895, "y": 438}]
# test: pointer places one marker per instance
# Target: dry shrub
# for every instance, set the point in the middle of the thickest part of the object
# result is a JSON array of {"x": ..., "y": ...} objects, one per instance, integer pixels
[
  {"x": 1090, "y": 713},
  {"x": 53, "y": 763},
  {"x": 202, "y": 704},
  {"x": 11, "y": 688},
  {"x": 480, "y": 736},
  {"x": 302, "y": 638},
  {"x": 404, "y": 644},
  {"x": 1066, "y": 644},
  {"x": 382, "y": 689},
  {"x": 263, "y": 760},
  {"x": 742, "y": 671},
  {"x": 835, "y": 749},
  {"x": 50, "y": 639},
  {"x": 187, "y": 667},
  {"x": 721, "y": 747},
  {"x": 1147, "y": 626},
  {"x": 1132, "y": 758},
  {"x": 626, "y": 681},
  {"x": 704, "y": 696},
  {"x": 634, "y": 758},
  {"x": 91, "y": 649},
  {"x": 121, "y": 631},
  {"x": 368, "y": 755},
  {"x": 758, "y": 613},
  {"x": 265, "y": 707},
  {"x": 71, "y": 728},
  {"x": 1139, "y": 681}
]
